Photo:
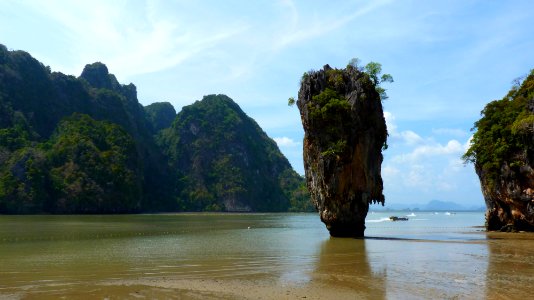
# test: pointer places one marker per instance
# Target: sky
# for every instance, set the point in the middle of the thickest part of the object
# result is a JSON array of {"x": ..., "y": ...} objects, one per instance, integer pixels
[{"x": 448, "y": 60}]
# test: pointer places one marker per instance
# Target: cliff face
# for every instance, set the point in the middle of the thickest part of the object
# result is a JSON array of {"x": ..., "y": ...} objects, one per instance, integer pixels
[
  {"x": 510, "y": 198},
  {"x": 345, "y": 131},
  {"x": 86, "y": 145},
  {"x": 225, "y": 162},
  {"x": 503, "y": 153},
  {"x": 510, "y": 204}
]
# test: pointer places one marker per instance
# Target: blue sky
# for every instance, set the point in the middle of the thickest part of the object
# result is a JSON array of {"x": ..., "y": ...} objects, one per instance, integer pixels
[{"x": 448, "y": 59}]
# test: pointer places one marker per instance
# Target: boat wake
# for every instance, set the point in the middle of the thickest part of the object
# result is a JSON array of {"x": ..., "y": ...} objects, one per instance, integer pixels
[{"x": 379, "y": 220}]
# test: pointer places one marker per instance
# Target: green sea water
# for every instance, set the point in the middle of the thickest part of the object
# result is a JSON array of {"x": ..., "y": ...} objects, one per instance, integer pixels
[{"x": 432, "y": 255}]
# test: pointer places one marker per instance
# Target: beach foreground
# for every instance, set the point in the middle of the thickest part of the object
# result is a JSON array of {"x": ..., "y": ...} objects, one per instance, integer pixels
[{"x": 281, "y": 256}]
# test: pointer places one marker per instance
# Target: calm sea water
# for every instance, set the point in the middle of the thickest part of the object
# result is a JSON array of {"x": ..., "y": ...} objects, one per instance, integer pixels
[{"x": 430, "y": 256}]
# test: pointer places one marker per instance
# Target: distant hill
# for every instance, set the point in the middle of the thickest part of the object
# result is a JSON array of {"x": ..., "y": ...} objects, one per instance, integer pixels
[
  {"x": 86, "y": 145},
  {"x": 442, "y": 205},
  {"x": 433, "y": 205}
]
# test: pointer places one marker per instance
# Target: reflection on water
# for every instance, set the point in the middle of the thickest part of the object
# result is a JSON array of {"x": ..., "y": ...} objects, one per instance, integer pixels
[
  {"x": 510, "y": 273},
  {"x": 430, "y": 269},
  {"x": 343, "y": 263},
  {"x": 94, "y": 256},
  {"x": 60, "y": 254}
]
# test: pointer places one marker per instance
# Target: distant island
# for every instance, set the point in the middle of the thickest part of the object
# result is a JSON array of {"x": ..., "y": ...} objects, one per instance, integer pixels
[
  {"x": 433, "y": 205},
  {"x": 86, "y": 145}
]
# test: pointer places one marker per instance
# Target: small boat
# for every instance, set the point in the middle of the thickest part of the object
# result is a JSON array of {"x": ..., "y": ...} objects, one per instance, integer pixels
[{"x": 395, "y": 218}]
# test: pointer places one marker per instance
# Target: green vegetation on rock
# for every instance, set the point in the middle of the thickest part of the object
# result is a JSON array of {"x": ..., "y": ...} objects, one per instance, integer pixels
[
  {"x": 87, "y": 166},
  {"x": 225, "y": 161},
  {"x": 86, "y": 145},
  {"x": 502, "y": 150},
  {"x": 504, "y": 132},
  {"x": 160, "y": 114},
  {"x": 330, "y": 107},
  {"x": 344, "y": 135},
  {"x": 94, "y": 167}
]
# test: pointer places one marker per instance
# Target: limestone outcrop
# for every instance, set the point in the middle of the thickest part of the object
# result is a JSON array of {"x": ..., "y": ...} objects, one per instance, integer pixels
[
  {"x": 510, "y": 204},
  {"x": 502, "y": 150},
  {"x": 510, "y": 198},
  {"x": 345, "y": 132}
]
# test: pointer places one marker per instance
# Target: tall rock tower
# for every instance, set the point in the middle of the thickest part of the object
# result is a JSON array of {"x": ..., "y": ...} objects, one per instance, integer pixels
[{"x": 345, "y": 131}]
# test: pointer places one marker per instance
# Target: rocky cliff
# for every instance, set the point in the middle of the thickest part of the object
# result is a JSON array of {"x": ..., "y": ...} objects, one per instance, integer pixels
[
  {"x": 502, "y": 150},
  {"x": 345, "y": 131},
  {"x": 160, "y": 115},
  {"x": 86, "y": 145},
  {"x": 224, "y": 161}
]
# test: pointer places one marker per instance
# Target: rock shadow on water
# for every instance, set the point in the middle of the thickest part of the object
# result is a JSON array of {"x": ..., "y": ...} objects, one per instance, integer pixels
[{"x": 344, "y": 263}]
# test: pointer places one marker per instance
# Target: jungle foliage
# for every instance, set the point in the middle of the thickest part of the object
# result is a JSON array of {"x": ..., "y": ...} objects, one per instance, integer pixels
[
  {"x": 331, "y": 106},
  {"x": 85, "y": 145},
  {"x": 225, "y": 161},
  {"x": 504, "y": 133}
]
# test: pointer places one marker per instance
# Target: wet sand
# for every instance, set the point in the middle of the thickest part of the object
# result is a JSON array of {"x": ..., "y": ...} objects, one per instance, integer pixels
[
  {"x": 273, "y": 260},
  {"x": 166, "y": 288},
  {"x": 339, "y": 274}
]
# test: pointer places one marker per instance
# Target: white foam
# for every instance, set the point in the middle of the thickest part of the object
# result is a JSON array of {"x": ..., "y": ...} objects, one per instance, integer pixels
[{"x": 379, "y": 220}]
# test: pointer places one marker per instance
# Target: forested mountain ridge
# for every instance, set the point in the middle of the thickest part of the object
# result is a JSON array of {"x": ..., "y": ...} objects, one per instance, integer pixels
[
  {"x": 33, "y": 102},
  {"x": 86, "y": 145},
  {"x": 224, "y": 160}
]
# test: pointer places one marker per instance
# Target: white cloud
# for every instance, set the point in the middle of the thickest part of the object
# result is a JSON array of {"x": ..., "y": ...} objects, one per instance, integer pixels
[
  {"x": 452, "y": 147},
  {"x": 407, "y": 137},
  {"x": 390, "y": 122},
  {"x": 421, "y": 166},
  {"x": 138, "y": 40},
  {"x": 416, "y": 176},
  {"x": 285, "y": 142},
  {"x": 389, "y": 172},
  {"x": 468, "y": 143},
  {"x": 456, "y": 132},
  {"x": 301, "y": 29},
  {"x": 410, "y": 137}
]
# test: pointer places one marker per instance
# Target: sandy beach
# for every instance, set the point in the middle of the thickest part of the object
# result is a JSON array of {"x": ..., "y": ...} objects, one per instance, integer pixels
[{"x": 281, "y": 257}]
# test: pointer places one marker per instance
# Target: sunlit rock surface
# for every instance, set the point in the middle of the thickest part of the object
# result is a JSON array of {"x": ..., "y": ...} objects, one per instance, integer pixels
[
  {"x": 345, "y": 132},
  {"x": 510, "y": 199}
]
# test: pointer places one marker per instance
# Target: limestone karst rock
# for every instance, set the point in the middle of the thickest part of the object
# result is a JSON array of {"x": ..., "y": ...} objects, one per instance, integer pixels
[
  {"x": 502, "y": 150},
  {"x": 510, "y": 204},
  {"x": 86, "y": 145},
  {"x": 345, "y": 132}
]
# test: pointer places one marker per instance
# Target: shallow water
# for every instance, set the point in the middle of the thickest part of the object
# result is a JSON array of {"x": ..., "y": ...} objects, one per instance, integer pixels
[{"x": 429, "y": 256}]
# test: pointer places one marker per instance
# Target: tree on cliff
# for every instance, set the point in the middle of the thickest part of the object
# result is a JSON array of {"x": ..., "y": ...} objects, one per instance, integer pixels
[
  {"x": 373, "y": 69},
  {"x": 502, "y": 150},
  {"x": 344, "y": 134},
  {"x": 502, "y": 130}
]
